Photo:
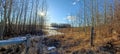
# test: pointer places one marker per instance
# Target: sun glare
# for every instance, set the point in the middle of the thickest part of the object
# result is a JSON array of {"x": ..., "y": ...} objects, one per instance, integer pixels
[{"x": 41, "y": 13}]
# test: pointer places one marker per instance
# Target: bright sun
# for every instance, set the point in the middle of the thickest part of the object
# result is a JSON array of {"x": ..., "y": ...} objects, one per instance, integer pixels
[{"x": 41, "y": 13}]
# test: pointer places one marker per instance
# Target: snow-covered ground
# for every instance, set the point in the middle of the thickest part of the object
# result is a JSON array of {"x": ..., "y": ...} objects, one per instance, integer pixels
[
  {"x": 51, "y": 28},
  {"x": 53, "y": 32},
  {"x": 51, "y": 48},
  {"x": 16, "y": 40}
]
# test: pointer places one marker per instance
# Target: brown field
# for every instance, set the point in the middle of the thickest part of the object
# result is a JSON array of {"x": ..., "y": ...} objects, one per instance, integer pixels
[{"x": 76, "y": 41}]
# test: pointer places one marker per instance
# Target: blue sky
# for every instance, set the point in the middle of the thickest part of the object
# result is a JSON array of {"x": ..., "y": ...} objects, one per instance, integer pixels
[{"x": 58, "y": 10}]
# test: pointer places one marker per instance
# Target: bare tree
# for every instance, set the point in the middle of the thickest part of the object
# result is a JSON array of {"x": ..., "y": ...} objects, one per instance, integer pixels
[{"x": 92, "y": 25}]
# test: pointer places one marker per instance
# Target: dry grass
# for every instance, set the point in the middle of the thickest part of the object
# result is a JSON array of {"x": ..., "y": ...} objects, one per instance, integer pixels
[{"x": 75, "y": 39}]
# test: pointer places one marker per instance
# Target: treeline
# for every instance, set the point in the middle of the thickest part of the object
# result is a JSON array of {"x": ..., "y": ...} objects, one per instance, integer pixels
[
  {"x": 21, "y": 16},
  {"x": 60, "y": 25},
  {"x": 97, "y": 14}
]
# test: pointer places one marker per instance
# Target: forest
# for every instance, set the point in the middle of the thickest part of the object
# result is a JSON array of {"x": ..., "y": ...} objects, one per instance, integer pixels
[
  {"x": 92, "y": 29},
  {"x": 21, "y": 16}
]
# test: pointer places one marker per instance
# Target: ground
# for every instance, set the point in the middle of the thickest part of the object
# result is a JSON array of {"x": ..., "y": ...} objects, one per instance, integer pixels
[{"x": 75, "y": 41}]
